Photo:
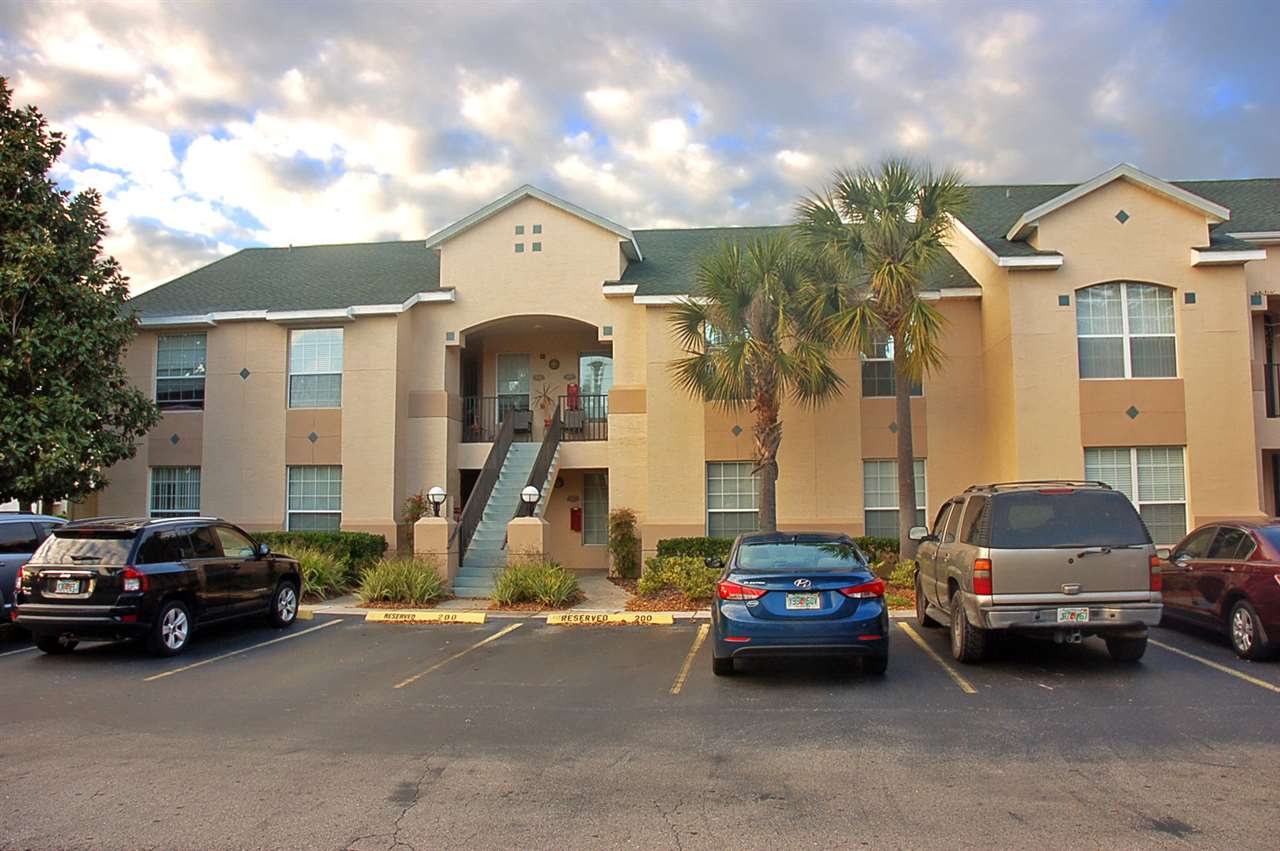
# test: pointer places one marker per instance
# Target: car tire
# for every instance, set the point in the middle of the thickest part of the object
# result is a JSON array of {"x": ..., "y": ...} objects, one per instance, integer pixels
[
  {"x": 875, "y": 665},
  {"x": 968, "y": 642},
  {"x": 284, "y": 605},
  {"x": 1127, "y": 649},
  {"x": 722, "y": 667},
  {"x": 171, "y": 631},
  {"x": 56, "y": 645},
  {"x": 922, "y": 607},
  {"x": 1248, "y": 637}
]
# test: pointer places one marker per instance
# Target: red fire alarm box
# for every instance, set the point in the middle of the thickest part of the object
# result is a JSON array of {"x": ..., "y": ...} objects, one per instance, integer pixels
[{"x": 575, "y": 518}]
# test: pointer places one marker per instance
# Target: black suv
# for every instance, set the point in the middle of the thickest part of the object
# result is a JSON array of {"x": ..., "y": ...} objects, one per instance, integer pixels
[{"x": 145, "y": 578}]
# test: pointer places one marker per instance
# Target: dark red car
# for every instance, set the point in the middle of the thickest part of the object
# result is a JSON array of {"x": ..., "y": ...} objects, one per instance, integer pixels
[{"x": 1226, "y": 576}]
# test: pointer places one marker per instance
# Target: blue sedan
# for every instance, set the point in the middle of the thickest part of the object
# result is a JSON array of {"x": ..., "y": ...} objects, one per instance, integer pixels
[{"x": 798, "y": 594}]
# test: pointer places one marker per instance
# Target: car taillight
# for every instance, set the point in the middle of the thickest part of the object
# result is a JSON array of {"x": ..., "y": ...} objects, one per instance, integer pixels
[
  {"x": 874, "y": 588},
  {"x": 17, "y": 579},
  {"x": 733, "y": 591},
  {"x": 1157, "y": 577},
  {"x": 982, "y": 576},
  {"x": 134, "y": 579}
]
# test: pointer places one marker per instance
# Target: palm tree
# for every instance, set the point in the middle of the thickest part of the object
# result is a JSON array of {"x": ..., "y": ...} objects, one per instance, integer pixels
[
  {"x": 749, "y": 342},
  {"x": 882, "y": 230}
]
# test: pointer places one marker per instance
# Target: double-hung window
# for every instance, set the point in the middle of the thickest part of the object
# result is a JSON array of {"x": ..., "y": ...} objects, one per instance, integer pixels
[
  {"x": 1154, "y": 479},
  {"x": 1126, "y": 331},
  {"x": 880, "y": 496},
  {"x": 878, "y": 377},
  {"x": 315, "y": 368},
  {"x": 175, "y": 491},
  {"x": 732, "y": 499},
  {"x": 595, "y": 509},
  {"x": 315, "y": 498},
  {"x": 180, "y": 370}
]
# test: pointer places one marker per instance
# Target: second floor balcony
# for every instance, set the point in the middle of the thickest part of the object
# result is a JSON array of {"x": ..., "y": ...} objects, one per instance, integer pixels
[{"x": 584, "y": 417}]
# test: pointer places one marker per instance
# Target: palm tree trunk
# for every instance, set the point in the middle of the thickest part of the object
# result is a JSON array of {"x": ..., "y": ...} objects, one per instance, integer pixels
[
  {"x": 768, "y": 436},
  {"x": 906, "y": 453}
]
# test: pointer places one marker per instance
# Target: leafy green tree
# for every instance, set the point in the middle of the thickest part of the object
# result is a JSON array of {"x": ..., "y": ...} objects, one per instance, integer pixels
[
  {"x": 67, "y": 411},
  {"x": 749, "y": 342},
  {"x": 883, "y": 230}
]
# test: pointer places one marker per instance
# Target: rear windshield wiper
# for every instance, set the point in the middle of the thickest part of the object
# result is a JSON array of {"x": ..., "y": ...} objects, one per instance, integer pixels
[
  {"x": 1093, "y": 551},
  {"x": 86, "y": 558}
]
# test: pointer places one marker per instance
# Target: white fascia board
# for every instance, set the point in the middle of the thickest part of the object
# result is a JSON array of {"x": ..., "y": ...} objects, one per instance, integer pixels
[
  {"x": 172, "y": 321},
  {"x": 951, "y": 293},
  {"x": 1214, "y": 212},
  {"x": 341, "y": 314},
  {"x": 611, "y": 290},
  {"x": 1037, "y": 261},
  {"x": 1262, "y": 237},
  {"x": 1226, "y": 258},
  {"x": 667, "y": 299}
]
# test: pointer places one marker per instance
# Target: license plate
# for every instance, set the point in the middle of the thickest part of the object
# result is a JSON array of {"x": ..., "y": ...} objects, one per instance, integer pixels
[
  {"x": 804, "y": 601},
  {"x": 67, "y": 586},
  {"x": 1080, "y": 615}
]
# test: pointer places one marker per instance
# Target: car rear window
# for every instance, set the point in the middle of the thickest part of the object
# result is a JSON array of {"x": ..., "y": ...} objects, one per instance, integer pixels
[
  {"x": 1079, "y": 518},
  {"x": 800, "y": 555},
  {"x": 85, "y": 546}
]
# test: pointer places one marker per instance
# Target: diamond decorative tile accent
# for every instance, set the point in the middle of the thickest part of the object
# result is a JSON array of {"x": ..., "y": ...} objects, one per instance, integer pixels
[
  {"x": 313, "y": 437},
  {"x": 893, "y": 427},
  {"x": 737, "y": 430},
  {"x": 174, "y": 439},
  {"x": 244, "y": 373},
  {"x": 1122, "y": 217},
  {"x": 1132, "y": 413}
]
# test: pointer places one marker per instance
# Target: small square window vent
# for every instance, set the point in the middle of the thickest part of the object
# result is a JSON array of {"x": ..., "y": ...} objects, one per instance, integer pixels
[
  {"x": 1122, "y": 217},
  {"x": 1064, "y": 301},
  {"x": 537, "y": 246},
  {"x": 537, "y": 228},
  {"x": 1188, "y": 298},
  {"x": 519, "y": 248},
  {"x": 519, "y": 229},
  {"x": 1255, "y": 299}
]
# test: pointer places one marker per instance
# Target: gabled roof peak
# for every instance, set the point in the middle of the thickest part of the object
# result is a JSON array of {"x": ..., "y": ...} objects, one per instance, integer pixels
[
  {"x": 1213, "y": 212},
  {"x": 528, "y": 190}
]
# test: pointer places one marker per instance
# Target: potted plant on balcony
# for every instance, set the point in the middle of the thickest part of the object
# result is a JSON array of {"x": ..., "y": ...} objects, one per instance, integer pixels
[{"x": 546, "y": 402}]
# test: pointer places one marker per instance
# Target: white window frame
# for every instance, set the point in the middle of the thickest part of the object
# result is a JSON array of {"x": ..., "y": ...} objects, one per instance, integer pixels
[
  {"x": 158, "y": 378},
  {"x": 706, "y": 485},
  {"x": 1125, "y": 336},
  {"x": 152, "y": 511},
  {"x": 290, "y": 511},
  {"x": 922, "y": 493},
  {"x": 291, "y": 371},
  {"x": 885, "y": 342},
  {"x": 1136, "y": 499}
]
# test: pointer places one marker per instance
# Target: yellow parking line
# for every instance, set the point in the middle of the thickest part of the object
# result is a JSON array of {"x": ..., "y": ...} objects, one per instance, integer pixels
[
  {"x": 964, "y": 684},
  {"x": 16, "y": 652},
  {"x": 1218, "y": 667},
  {"x": 688, "y": 660},
  {"x": 203, "y": 662},
  {"x": 438, "y": 665}
]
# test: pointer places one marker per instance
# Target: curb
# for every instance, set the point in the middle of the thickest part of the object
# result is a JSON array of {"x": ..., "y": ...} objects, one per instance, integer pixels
[{"x": 561, "y": 618}]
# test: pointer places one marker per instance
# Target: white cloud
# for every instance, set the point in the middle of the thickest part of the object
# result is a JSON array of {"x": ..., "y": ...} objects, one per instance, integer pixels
[
  {"x": 795, "y": 160},
  {"x": 492, "y": 107},
  {"x": 611, "y": 102},
  {"x": 600, "y": 178}
]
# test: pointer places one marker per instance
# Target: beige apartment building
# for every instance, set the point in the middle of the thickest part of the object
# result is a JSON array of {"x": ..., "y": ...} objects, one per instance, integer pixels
[{"x": 1119, "y": 329}]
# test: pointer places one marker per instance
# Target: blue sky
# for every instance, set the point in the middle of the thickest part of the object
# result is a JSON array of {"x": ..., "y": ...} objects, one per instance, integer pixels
[{"x": 209, "y": 127}]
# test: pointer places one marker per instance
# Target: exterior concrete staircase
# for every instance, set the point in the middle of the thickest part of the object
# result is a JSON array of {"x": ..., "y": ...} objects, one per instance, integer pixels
[{"x": 486, "y": 556}]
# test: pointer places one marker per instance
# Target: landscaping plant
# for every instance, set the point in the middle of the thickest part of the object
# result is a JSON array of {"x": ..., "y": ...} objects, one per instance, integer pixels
[
  {"x": 624, "y": 544},
  {"x": 323, "y": 575},
  {"x": 688, "y": 575},
  {"x": 700, "y": 547},
  {"x": 408, "y": 581},
  {"x": 531, "y": 579},
  {"x": 353, "y": 550},
  {"x": 416, "y": 507}
]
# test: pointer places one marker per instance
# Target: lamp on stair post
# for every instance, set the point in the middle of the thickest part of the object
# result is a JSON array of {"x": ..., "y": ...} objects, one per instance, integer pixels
[
  {"x": 436, "y": 496},
  {"x": 530, "y": 495}
]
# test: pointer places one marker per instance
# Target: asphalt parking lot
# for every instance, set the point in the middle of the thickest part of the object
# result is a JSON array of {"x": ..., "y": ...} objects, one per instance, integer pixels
[{"x": 342, "y": 734}]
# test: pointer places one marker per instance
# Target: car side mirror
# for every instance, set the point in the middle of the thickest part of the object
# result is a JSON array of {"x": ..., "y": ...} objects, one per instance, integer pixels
[
  {"x": 918, "y": 534},
  {"x": 262, "y": 550},
  {"x": 1164, "y": 554},
  {"x": 713, "y": 561}
]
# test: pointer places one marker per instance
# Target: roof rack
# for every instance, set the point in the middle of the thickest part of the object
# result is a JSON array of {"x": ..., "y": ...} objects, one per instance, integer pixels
[{"x": 1075, "y": 483}]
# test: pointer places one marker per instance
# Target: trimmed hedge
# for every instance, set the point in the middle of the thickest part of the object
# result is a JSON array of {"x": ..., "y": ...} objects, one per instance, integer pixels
[
  {"x": 354, "y": 550},
  {"x": 875, "y": 548},
  {"x": 686, "y": 574}
]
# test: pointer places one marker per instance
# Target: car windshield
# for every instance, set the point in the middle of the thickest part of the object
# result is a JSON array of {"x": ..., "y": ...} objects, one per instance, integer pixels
[
  {"x": 799, "y": 554},
  {"x": 1079, "y": 518},
  {"x": 85, "y": 546}
]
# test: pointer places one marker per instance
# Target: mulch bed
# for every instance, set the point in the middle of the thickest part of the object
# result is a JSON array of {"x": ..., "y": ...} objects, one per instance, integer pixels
[
  {"x": 667, "y": 601},
  {"x": 382, "y": 604}
]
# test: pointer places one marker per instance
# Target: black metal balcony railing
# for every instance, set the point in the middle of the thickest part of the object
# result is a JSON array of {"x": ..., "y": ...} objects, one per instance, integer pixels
[
  {"x": 1271, "y": 375},
  {"x": 483, "y": 416},
  {"x": 585, "y": 417}
]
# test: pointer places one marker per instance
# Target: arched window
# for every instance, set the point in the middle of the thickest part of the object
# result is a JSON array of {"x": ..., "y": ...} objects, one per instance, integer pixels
[{"x": 1126, "y": 331}]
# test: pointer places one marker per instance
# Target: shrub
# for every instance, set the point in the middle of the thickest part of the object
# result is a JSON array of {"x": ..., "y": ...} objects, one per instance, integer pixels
[
  {"x": 531, "y": 579},
  {"x": 416, "y": 507},
  {"x": 322, "y": 574},
  {"x": 700, "y": 548},
  {"x": 686, "y": 574},
  {"x": 624, "y": 544},
  {"x": 353, "y": 550},
  {"x": 412, "y": 581},
  {"x": 903, "y": 574},
  {"x": 877, "y": 548}
]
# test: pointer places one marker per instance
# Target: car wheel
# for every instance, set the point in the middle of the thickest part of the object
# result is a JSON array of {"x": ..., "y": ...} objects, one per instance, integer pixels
[
  {"x": 56, "y": 645},
  {"x": 968, "y": 642},
  {"x": 922, "y": 607},
  {"x": 876, "y": 665},
  {"x": 1127, "y": 649},
  {"x": 1248, "y": 637},
  {"x": 722, "y": 667},
  {"x": 171, "y": 630},
  {"x": 284, "y": 605}
]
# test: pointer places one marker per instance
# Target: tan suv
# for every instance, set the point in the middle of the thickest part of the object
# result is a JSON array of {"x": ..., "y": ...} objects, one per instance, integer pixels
[{"x": 1060, "y": 560}]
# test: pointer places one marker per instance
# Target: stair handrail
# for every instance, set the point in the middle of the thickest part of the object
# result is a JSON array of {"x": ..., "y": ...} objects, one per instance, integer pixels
[
  {"x": 473, "y": 510},
  {"x": 546, "y": 456}
]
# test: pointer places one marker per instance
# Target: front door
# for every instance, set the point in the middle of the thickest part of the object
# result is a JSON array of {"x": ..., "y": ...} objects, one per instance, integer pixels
[{"x": 513, "y": 383}]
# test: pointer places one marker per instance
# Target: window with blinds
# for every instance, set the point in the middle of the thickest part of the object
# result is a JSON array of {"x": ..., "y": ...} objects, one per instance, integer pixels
[
  {"x": 1126, "y": 331},
  {"x": 880, "y": 496},
  {"x": 1153, "y": 477}
]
